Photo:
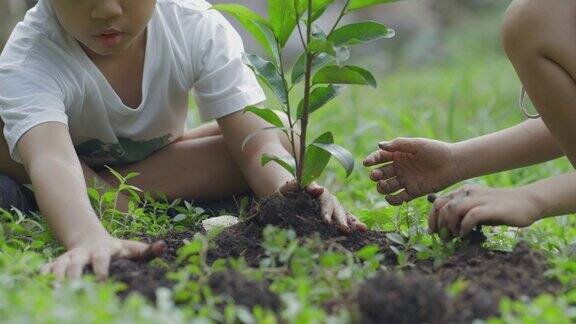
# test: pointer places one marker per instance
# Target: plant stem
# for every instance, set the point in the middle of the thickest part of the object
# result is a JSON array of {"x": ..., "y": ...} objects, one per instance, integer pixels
[
  {"x": 289, "y": 113},
  {"x": 306, "y": 110},
  {"x": 342, "y": 13}
]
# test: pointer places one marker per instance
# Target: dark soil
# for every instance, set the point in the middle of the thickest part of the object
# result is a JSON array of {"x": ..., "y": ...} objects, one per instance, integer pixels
[
  {"x": 492, "y": 275},
  {"x": 299, "y": 212},
  {"x": 416, "y": 297},
  {"x": 390, "y": 298},
  {"x": 489, "y": 276},
  {"x": 243, "y": 291},
  {"x": 139, "y": 277}
]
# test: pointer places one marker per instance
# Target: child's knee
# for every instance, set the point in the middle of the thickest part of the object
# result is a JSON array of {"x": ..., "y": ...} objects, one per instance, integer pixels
[{"x": 529, "y": 25}]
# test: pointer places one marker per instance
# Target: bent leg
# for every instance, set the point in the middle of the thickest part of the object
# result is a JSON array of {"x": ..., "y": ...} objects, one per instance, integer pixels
[
  {"x": 539, "y": 37},
  {"x": 198, "y": 166}
]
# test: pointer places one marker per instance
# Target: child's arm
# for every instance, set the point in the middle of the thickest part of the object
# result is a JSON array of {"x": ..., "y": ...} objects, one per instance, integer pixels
[
  {"x": 422, "y": 166},
  {"x": 49, "y": 158},
  {"x": 469, "y": 206},
  {"x": 273, "y": 178}
]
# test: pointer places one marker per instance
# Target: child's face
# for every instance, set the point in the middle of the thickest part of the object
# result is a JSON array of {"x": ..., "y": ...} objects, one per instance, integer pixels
[{"x": 106, "y": 27}]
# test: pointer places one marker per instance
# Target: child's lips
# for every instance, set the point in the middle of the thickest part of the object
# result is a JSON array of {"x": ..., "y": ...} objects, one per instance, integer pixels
[{"x": 109, "y": 37}]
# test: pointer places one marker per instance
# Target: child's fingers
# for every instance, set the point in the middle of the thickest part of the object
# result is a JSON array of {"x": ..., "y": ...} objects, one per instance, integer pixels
[
  {"x": 402, "y": 144},
  {"x": 453, "y": 212},
  {"x": 399, "y": 198},
  {"x": 289, "y": 186},
  {"x": 341, "y": 218},
  {"x": 378, "y": 157},
  {"x": 389, "y": 186},
  {"x": 355, "y": 224},
  {"x": 326, "y": 207},
  {"x": 131, "y": 250},
  {"x": 59, "y": 268},
  {"x": 315, "y": 190},
  {"x": 100, "y": 265},
  {"x": 382, "y": 173},
  {"x": 154, "y": 251},
  {"x": 47, "y": 268},
  {"x": 76, "y": 265},
  {"x": 476, "y": 216},
  {"x": 439, "y": 202}
]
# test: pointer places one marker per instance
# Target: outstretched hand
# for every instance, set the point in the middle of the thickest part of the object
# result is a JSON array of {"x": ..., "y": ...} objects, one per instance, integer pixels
[
  {"x": 330, "y": 208},
  {"x": 99, "y": 252},
  {"x": 411, "y": 168}
]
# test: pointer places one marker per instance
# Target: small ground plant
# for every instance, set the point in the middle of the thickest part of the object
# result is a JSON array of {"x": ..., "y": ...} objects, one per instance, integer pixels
[{"x": 321, "y": 67}]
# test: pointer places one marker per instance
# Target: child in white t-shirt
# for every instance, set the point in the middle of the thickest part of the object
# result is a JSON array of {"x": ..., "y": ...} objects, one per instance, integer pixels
[{"x": 90, "y": 83}]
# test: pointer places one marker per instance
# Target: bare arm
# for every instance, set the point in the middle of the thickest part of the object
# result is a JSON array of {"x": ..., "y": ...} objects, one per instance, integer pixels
[
  {"x": 422, "y": 166},
  {"x": 266, "y": 180},
  {"x": 525, "y": 144},
  {"x": 55, "y": 171},
  {"x": 56, "y": 174}
]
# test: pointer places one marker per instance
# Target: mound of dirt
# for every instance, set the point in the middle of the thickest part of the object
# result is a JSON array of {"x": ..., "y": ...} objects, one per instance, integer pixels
[
  {"x": 234, "y": 285},
  {"x": 488, "y": 276},
  {"x": 390, "y": 298},
  {"x": 295, "y": 210},
  {"x": 140, "y": 277},
  {"x": 491, "y": 275}
]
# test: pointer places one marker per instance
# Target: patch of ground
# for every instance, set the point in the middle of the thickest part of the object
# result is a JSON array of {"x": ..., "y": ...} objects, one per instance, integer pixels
[
  {"x": 243, "y": 291},
  {"x": 297, "y": 211},
  {"x": 417, "y": 297},
  {"x": 489, "y": 276},
  {"x": 413, "y": 298}
]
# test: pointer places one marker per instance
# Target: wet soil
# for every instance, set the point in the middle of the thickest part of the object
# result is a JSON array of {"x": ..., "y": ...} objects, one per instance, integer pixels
[
  {"x": 299, "y": 212},
  {"x": 391, "y": 298},
  {"x": 416, "y": 297},
  {"x": 243, "y": 291},
  {"x": 488, "y": 276}
]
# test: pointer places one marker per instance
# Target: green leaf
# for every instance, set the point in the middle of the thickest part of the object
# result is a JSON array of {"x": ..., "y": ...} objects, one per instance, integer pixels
[
  {"x": 316, "y": 159},
  {"x": 319, "y": 97},
  {"x": 267, "y": 114},
  {"x": 319, "y": 6},
  {"x": 287, "y": 162},
  {"x": 255, "y": 24},
  {"x": 321, "y": 59},
  {"x": 282, "y": 17},
  {"x": 323, "y": 46},
  {"x": 341, "y": 154},
  {"x": 179, "y": 218},
  {"x": 299, "y": 69},
  {"x": 396, "y": 238},
  {"x": 260, "y": 131},
  {"x": 359, "y": 4},
  {"x": 268, "y": 73},
  {"x": 359, "y": 33},
  {"x": 347, "y": 74},
  {"x": 368, "y": 252}
]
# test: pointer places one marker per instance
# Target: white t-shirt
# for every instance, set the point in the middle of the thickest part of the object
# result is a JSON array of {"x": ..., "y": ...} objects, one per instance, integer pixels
[{"x": 46, "y": 76}]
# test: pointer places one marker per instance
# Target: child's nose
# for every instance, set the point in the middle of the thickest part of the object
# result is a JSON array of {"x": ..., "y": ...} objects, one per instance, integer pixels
[{"x": 107, "y": 9}]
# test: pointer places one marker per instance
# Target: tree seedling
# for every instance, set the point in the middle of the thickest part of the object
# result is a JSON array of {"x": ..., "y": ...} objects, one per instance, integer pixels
[{"x": 320, "y": 67}]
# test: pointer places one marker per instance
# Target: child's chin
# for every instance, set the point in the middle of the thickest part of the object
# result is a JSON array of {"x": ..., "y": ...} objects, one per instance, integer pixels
[{"x": 107, "y": 50}]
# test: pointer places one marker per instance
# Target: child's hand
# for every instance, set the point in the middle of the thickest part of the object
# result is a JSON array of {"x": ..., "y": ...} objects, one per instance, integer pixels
[
  {"x": 469, "y": 206},
  {"x": 331, "y": 209},
  {"x": 419, "y": 167},
  {"x": 99, "y": 252}
]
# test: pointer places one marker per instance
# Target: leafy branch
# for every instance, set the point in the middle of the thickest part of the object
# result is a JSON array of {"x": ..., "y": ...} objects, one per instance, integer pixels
[{"x": 320, "y": 67}]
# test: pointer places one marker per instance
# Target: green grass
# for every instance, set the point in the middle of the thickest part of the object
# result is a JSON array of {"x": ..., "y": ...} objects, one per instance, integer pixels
[{"x": 469, "y": 91}]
